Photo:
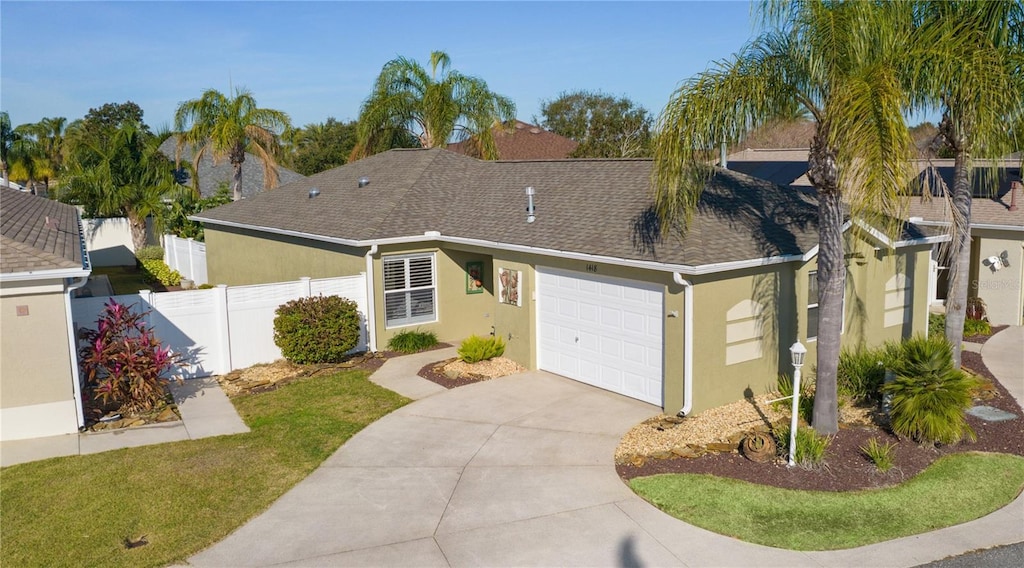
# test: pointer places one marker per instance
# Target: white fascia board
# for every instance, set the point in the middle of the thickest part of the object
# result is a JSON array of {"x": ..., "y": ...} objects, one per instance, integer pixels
[
  {"x": 986, "y": 226},
  {"x": 434, "y": 236},
  {"x": 44, "y": 274}
]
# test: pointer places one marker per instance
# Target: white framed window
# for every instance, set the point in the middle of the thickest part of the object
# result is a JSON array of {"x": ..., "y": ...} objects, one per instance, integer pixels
[
  {"x": 812, "y": 307},
  {"x": 410, "y": 290}
]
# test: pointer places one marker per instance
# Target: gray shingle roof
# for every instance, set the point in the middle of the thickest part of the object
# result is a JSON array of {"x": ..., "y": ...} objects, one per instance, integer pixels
[
  {"x": 598, "y": 207},
  {"x": 211, "y": 175},
  {"x": 37, "y": 234}
]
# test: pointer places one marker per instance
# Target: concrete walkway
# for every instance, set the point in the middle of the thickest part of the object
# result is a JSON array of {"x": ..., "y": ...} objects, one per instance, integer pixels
[
  {"x": 205, "y": 411},
  {"x": 518, "y": 471}
]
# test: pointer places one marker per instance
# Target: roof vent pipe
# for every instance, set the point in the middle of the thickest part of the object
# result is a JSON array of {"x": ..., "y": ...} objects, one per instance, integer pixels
[
  {"x": 364, "y": 181},
  {"x": 313, "y": 192},
  {"x": 531, "y": 210},
  {"x": 724, "y": 159}
]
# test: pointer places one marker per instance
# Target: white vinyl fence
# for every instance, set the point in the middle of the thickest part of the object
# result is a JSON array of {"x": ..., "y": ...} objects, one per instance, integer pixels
[
  {"x": 187, "y": 256},
  {"x": 225, "y": 328}
]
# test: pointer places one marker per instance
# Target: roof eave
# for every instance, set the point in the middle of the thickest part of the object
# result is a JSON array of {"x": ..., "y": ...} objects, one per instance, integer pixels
[{"x": 53, "y": 274}]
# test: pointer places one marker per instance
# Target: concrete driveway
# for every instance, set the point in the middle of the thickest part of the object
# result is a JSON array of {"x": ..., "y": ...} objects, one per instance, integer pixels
[{"x": 516, "y": 471}]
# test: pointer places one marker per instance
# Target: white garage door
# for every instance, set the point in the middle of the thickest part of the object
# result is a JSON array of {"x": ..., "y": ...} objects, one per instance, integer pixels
[{"x": 603, "y": 331}]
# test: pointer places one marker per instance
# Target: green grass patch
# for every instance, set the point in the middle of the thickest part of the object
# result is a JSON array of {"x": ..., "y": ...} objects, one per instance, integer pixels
[
  {"x": 124, "y": 279},
  {"x": 183, "y": 496},
  {"x": 814, "y": 520}
]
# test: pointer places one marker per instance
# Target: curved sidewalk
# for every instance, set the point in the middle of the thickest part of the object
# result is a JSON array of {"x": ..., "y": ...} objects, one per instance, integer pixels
[{"x": 518, "y": 471}]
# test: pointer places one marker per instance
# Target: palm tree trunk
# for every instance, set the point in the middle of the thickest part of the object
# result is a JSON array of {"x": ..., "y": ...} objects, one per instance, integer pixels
[
  {"x": 138, "y": 230},
  {"x": 959, "y": 255},
  {"x": 831, "y": 285},
  {"x": 823, "y": 172},
  {"x": 236, "y": 181}
]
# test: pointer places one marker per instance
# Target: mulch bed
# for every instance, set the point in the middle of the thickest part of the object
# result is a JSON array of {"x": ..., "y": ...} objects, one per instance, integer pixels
[
  {"x": 428, "y": 372},
  {"x": 983, "y": 338},
  {"x": 847, "y": 468}
]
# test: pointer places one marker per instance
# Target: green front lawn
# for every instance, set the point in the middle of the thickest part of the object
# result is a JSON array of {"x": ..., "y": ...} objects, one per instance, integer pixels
[
  {"x": 184, "y": 496},
  {"x": 953, "y": 490}
]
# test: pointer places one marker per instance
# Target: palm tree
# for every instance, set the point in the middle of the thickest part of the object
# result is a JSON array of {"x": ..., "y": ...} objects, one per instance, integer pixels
[
  {"x": 979, "y": 96},
  {"x": 435, "y": 107},
  {"x": 845, "y": 63},
  {"x": 228, "y": 127},
  {"x": 123, "y": 174},
  {"x": 46, "y": 151},
  {"x": 7, "y": 138}
]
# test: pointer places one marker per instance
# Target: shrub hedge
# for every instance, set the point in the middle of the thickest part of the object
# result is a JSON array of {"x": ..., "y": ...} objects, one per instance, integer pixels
[{"x": 319, "y": 329}]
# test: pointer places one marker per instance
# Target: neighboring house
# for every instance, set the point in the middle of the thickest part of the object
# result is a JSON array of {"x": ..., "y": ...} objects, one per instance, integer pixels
[
  {"x": 211, "y": 175},
  {"x": 997, "y": 228},
  {"x": 589, "y": 289},
  {"x": 523, "y": 142},
  {"x": 42, "y": 259}
]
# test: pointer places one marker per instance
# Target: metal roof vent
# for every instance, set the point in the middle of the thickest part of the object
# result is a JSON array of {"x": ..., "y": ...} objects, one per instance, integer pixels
[
  {"x": 531, "y": 210},
  {"x": 364, "y": 181},
  {"x": 313, "y": 192}
]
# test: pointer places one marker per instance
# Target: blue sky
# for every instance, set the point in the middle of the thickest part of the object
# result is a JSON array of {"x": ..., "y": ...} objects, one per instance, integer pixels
[{"x": 319, "y": 59}]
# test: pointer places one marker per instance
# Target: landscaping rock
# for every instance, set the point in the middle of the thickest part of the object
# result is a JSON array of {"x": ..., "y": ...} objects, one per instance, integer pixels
[{"x": 721, "y": 447}]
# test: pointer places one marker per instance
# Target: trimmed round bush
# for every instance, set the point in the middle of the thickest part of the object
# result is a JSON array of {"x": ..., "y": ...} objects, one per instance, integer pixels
[
  {"x": 320, "y": 329},
  {"x": 929, "y": 395}
]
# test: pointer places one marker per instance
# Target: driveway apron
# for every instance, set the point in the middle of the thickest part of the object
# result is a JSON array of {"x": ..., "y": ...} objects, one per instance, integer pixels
[{"x": 516, "y": 471}]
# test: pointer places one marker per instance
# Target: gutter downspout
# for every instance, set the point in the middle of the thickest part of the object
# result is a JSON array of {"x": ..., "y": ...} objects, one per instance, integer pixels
[
  {"x": 687, "y": 344},
  {"x": 371, "y": 300},
  {"x": 73, "y": 285}
]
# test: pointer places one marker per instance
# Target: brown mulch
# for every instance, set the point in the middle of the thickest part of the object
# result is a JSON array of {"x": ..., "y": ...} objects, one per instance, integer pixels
[
  {"x": 270, "y": 376},
  {"x": 847, "y": 468},
  {"x": 982, "y": 338},
  {"x": 452, "y": 373}
]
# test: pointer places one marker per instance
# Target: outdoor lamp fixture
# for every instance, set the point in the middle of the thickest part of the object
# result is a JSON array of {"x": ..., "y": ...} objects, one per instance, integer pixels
[
  {"x": 797, "y": 353},
  {"x": 530, "y": 209},
  {"x": 313, "y": 192},
  {"x": 364, "y": 181}
]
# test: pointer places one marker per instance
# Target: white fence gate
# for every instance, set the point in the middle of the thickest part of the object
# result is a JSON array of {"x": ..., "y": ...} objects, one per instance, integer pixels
[
  {"x": 187, "y": 256},
  {"x": 225, "y": 328}
]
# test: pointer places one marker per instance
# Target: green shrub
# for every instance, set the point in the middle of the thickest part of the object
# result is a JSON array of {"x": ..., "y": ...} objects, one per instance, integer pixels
[
  {"x": 785, "y": 389},
  {"x": 476, "y": 348},
  {"x": 412, "y": 341},
  {"x": 861, "y": 373},
  {"x": 810, "y": 446},
  {"x": 929, "y": 396},
  {"x": 936, "y": 324},
  {"x": 319, "y": 329},
  {"x": 158, "y": 271},
  {"x": 880, "y": 454},
  {"x": 206, "y": 286},
  {"x": 976, "y": 327},
  {"x": 152, "y": 252}
]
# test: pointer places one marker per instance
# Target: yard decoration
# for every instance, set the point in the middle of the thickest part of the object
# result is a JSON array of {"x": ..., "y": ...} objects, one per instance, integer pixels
[
  {"x": 123, "y": 361},
  {"x": 758, "y": 447}
]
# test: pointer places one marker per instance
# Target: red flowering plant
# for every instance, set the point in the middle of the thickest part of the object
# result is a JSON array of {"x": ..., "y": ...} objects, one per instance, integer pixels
[{"x": 124, "y": 362}]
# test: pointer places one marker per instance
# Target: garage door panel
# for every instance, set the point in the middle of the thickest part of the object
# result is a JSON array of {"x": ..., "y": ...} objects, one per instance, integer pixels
[{"x": 611, "y": 337}]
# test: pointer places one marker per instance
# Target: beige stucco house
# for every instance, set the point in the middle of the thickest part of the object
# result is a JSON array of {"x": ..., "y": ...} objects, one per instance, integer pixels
[
  {"x": 577, "y": 277},
  {"x": 997, "y": 221},
  {"x": 42, "y": 260}
]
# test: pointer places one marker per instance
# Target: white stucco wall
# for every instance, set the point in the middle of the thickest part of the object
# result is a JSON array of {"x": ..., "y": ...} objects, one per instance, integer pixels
[{"x": 1001, "y": 289}]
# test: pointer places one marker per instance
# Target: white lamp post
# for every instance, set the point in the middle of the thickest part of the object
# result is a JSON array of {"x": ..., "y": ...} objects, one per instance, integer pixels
[{"x": 796, "y": 352}]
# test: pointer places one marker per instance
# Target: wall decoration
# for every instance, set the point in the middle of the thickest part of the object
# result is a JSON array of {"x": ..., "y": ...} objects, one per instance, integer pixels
[
  {"x": 474, "y": 277},
  {"x": 510, "y": 287}
]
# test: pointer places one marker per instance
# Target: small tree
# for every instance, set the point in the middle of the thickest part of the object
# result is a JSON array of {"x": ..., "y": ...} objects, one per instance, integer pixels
[
  {"x": 124, "y": 362},
  {"x": 321, "y": 329}
]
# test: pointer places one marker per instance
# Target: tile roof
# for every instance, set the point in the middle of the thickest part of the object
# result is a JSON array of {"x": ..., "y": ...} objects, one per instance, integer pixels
[
  {"x": 211, "y": 175},
  {"x": 37, "y": 234},
  {"x": 524, "y": 142},
  {"x": 597, "y": 207}
]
